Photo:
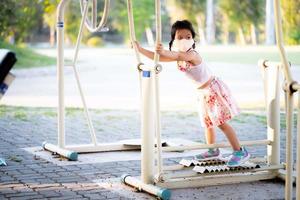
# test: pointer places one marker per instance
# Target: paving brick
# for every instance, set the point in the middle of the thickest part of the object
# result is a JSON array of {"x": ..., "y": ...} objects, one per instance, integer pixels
[
  {"x": 49, "y": 194},
  {"x": 33, "y": 178},
  {"x": 20, "y": 194}
]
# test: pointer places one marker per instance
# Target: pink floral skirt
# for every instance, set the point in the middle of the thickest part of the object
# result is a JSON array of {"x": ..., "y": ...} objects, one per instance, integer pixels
[{"x": 216, "y": 104}]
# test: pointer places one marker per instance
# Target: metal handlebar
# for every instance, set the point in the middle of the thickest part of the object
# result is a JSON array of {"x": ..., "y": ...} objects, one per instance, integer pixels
[{"x": 91, "y": 25}]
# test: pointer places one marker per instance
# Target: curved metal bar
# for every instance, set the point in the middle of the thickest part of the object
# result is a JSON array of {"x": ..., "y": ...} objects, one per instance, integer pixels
[
  {"x": 279, "y": 42},
  {"x": 91, "y": 26},
  {"x": 132, "y": 31}
]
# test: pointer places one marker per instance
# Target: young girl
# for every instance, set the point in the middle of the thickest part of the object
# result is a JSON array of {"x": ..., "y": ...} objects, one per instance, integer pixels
[{"x": 217, "y": 106}]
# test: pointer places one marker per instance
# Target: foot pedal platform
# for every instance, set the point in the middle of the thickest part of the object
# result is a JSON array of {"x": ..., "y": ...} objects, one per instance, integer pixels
[
  {"x": 224, "y": 168},
  {"x": 193, "y": 162}
]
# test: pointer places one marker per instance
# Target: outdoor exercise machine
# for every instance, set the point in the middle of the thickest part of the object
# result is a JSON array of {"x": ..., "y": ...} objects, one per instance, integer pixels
[
  {"x": 155, "y": 177},
  {"x": 71, "y": 151},
  {"x": 190, "y": 173},
  {"x": 7, "y": 61}
]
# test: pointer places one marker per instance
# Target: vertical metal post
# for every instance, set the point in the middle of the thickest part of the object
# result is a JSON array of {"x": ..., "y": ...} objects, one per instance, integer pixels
[
  {"x": 273, "y": 115},
  {"x": 147, "y": 128},
  {"x": 289, "y": 101},
  {"x": 289, "y": 146},
  {"x": 60, "y": 73},
  {"x": 156, "y": 91},
  {"x": 298, "y": 150}
]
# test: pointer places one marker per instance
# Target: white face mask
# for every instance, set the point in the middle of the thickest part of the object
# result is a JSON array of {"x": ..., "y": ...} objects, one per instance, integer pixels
[{"x": 182, "y": 45}]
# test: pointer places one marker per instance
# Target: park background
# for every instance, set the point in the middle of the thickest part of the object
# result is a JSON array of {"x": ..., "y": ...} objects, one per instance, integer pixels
[
  {"x": 232, "y": 35},
  {"x": 31, "y": 25}
]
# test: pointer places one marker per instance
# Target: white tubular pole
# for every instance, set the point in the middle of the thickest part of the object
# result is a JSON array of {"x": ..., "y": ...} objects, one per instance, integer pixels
[
  {"x": 156, "y": 91},
  {"x": 86, "y": 111},
  {"x": 132, "y": 39},
  {"x": 158, "y": 29},
  {"x": 298, "y": 151},
  {"x": 279, "y": 41},
  {"x": 147, "y": 129},
  {"x": 296, "y": 86},
  {"x": 289, "y": 102},
  {"x": 60, "y": 73},
  {"x": 289, "y": 146},
  {"x": 132, "y": 30},
  {"x": 162, "y": 193},
  {"x": 147, "y": 109},
  {"x": 272, "y": 97}
]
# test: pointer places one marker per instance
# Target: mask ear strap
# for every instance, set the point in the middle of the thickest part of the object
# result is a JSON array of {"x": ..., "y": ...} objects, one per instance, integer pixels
[{"x": 189, "y": 49}]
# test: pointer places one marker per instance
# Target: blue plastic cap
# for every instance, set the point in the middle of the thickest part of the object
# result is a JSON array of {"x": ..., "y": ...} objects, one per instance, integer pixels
[
  {"x": 2, "y": 162},
  {"x": 73, "y": 155},
  {"x": 164, "y": 194}
]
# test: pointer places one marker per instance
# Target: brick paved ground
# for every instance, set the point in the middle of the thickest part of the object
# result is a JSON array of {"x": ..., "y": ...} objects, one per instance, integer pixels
[{"x": 31, "y": 177}]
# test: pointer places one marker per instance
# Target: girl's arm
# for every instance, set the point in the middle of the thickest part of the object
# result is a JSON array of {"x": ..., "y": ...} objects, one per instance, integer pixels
[
  {"x": 190, "y": 56},
  {"x": 150, "y": 54}
]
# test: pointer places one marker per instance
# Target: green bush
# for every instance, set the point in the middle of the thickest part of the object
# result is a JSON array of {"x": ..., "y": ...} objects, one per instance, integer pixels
[
  {"x": 26, "y": 57},
  {"x": 95, "y": 42}
]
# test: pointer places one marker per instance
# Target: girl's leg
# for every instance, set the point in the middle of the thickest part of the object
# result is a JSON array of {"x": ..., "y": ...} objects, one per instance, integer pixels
[
  {"x": 212, "y": 153},
  {"x": 210, "y": 135},
  {"x": 231, "y": 136}
]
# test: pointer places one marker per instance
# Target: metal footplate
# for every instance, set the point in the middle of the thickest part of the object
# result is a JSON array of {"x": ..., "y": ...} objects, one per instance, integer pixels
[
  {"x": 217, "y": 165},
  {"x": 189, "y": 163},
  {"x": 225, "y": 168}
]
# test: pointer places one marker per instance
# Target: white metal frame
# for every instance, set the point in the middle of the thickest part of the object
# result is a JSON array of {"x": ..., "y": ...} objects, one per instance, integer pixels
[
  {"x": 155, "y": 174},
  {"x": 71, "y": 151}
]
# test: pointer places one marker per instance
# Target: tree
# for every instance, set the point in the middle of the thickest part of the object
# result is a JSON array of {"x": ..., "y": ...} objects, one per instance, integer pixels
[
  {"x": 144, "y": 16},
  {"x": 50, "y": 18},
  {"x": 244, "y": 16},
  {"x": 6, "y": 12},
  {"x": 19, "y": 19},
  {"x": 210, "y": 24},
  {"x": 194, "y": 10},
  {"x": 291, "y": 21},
  {"x": 270, "y": 28}
]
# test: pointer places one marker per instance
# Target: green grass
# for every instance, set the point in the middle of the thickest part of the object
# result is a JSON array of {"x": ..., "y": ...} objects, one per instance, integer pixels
[
  {"x": 27, "y": 58},
  {"x": 21, "y": 115}
]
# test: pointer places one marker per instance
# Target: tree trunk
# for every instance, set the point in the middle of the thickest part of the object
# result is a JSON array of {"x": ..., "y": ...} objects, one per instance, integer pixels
[
  {"x": 149, "y": 36},
  {"x": 225, "y": 30},
  {"x": 210, "y": 25},
  {"x": 241, "y": 36},
  {"x": 201, "y": 30},
  {"x": 270, "y": 29},
  {"x": 11, "y": 39},
  {"x": 253, "y": 35},
  {"x": 52, "y": 36}
]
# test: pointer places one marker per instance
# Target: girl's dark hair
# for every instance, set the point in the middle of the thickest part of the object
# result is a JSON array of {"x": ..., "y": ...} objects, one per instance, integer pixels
[{"x": 184, "y": 24}]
